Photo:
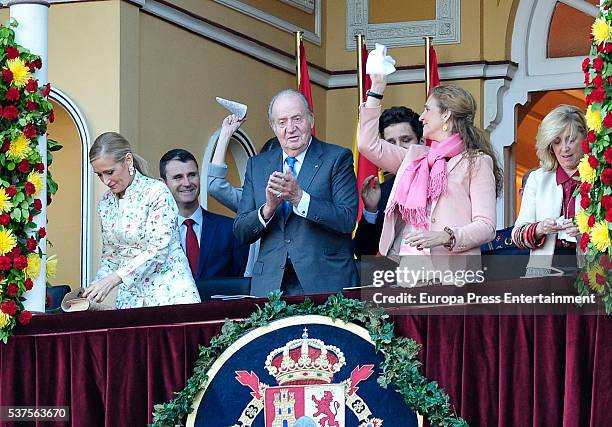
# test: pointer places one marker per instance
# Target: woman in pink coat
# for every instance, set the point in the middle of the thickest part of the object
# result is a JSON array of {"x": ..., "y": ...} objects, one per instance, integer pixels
[{"x": 443, "y": 201}]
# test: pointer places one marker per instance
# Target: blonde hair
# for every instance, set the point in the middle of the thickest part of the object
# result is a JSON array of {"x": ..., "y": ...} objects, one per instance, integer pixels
[
  {"x": 115, "y": 146},
  {"x": 552, "y": 126},
  {"x": 462, "y": 106}
]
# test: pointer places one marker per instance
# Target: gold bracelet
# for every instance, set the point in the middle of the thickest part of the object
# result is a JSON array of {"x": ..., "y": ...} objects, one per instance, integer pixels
[{"x": 451, "y": 242}]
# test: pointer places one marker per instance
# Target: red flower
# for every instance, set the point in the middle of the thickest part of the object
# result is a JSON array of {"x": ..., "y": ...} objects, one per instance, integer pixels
[
  {"x": 37, "y": 204},
  {"x": 591, "y": 136},
  {"x": 29, "y": 188},
  {"x": 7, "y": 76},
  {"x": 28, "y": 284},
  {"x": 5, "y": 263},
  {"x": 31, "y": 86},
  {"x": 609, "y": 215},
  {"x": 20, "y": 262},
  {"x": 608, "y": 121},
  {"x": 600, "y": 47},
  {"x": 31, "y": 244},
  {"x": 31, "y": 106},
  {"x": 12, "y": 94},
  {"x": 23, "y": 166},
  {"x": 584, "y": 241},
  {"x": 42, "y": 232},
  {"x": 30, "y": 65},
  {"x": 585, "y": 278},
  {"x": 11, "y": 289},
  {"x": 10, "y": 112},
  {"x": 29, "y": 131},
  {"x": 601, "y": 280},
  {"x": 606, "y": 176},
  {"x": 47, "y": 89},
  {"x": 607, "y": 48},
  {"x": 11, "y": 53},
  {"x": 593, "y": 161},
  {"x": 586, "y": 79},
  {"x": 598, "y": 81},
  {"x": 598, "y": 95},
  {"x": 40, "y": 168},
  {"x": 9, "y": 307},
  {"x": 5, "y": 219},
  {"x": 585, "y": 189},
  {"x": 51, "y": 116},
  {"x": 585, "y": 64},
  {"x": 586, "y": 147},
  {"x": 591, "y": 221},
  {"x": 24, "y": 317},
  {"x": 598, "y": 63},
  {"x": 11, "y": 190},
  {"x": 605, "y": 262},
  {"x": 15, "y": 252},
  {"x": 606, "y": 201},
  {"x": 608, "y": 155},
  {"x": 5, "y": 146},
  {"x": 37, "y": 63},
  {"x": 585, "y": 202}
]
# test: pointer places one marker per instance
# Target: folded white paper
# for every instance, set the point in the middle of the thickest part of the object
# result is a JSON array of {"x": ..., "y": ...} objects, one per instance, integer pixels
[
  {"x": 379, "y": 62},
  {"x": 234, "y": 107}
]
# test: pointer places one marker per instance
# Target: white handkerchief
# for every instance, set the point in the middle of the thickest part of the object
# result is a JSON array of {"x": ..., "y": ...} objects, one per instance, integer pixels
[
  {"x": 234, "y": 107},
  {"x": 379, "y": 62}
]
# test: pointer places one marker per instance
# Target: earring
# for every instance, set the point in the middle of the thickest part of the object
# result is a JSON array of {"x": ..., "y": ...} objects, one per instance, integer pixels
[
  {"x": 131, "y": 170},
  {"x": 445, "y": 127}
]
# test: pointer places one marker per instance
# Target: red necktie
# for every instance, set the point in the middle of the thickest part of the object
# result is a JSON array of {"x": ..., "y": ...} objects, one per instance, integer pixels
[{"x": 192, "y": 249}]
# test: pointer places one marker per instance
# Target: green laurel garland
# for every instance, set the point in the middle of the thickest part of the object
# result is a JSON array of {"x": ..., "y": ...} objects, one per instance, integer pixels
[{"x": 400, "y": 367}]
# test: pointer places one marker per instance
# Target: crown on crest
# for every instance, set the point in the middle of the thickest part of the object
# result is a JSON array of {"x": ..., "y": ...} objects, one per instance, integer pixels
[{"x": 305, "y": 361}]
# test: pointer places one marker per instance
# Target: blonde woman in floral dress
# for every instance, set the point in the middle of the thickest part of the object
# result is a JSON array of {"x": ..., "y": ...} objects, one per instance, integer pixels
[{"x": 141, "y": 252}]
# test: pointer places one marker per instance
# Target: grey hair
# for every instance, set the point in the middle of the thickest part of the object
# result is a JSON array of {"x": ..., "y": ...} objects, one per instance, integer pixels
[
  {"x": 552, "y": 126},
  {"x": 115, "y": 146},
  {"x": 286, "y": 92}
]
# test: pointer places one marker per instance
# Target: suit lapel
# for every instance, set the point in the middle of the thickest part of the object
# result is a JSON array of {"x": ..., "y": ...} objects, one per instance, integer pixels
[
  {"x": 275, "y": 163},
  {"x": 207, "y": 234},
  {"x": 312, "y": 164}
]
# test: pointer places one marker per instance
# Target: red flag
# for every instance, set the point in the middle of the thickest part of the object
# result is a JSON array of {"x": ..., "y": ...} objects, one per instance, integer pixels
[
  {"x": 363, "y": 167},
  {"x": 434, "y": 79},
  {"x": 305, "y": 79}
]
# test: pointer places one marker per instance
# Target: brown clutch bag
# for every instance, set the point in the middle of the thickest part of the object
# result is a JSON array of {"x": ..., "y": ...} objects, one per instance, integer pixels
[{"x": 74, "y": 301}]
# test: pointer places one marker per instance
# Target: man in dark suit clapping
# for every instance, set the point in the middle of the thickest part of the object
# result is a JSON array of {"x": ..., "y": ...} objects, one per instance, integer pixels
[{"x": 301, "y": 200}]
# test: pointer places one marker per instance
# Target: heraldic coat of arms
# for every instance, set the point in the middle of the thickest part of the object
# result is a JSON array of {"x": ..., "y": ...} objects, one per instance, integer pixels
[{"x": 318, "y": 380}]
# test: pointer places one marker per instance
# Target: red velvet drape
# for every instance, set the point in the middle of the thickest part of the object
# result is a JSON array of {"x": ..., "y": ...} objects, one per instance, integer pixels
[{"x": 112, "y": 368}]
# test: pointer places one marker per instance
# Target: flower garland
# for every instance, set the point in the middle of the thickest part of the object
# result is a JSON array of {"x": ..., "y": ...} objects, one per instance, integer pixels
[
  {"x": 24, "y": 114},
  {"x": 399, "y": 368},
  {"x": 595, "y": 218}
]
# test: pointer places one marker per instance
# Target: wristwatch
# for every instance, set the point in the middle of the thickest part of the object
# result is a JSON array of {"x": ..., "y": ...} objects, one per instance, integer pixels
[
  {"x": 451, "y": 242},
  {"x": 374, "y": 94}
]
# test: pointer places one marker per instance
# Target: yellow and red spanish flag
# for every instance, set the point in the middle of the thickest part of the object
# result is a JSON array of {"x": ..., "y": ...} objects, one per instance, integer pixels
[
  {"x": 303, "y": 76},
  {"x": 363, "y": 167}
]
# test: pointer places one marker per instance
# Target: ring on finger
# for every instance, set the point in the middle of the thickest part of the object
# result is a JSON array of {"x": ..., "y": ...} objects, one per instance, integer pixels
[{"x": 278, "y": 195}]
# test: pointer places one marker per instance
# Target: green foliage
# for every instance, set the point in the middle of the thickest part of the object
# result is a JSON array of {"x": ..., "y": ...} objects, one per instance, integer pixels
[{"x": 400, "y": 367}]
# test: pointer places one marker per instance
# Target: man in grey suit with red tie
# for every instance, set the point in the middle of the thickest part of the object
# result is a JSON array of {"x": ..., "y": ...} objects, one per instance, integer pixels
[
  {"x": 207, "y": 238},
  {"x": 301, "y": 201}
]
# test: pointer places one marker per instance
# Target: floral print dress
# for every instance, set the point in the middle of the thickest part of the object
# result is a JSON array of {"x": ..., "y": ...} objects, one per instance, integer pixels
[{"x": 140, "y": 242}]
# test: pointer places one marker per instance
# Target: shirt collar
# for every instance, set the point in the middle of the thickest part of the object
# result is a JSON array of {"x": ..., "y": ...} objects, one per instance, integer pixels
[
  {"x": 563, "y": 177},
  {"x": 300, "y": 157},
  {"x": 196, "y": 217}
]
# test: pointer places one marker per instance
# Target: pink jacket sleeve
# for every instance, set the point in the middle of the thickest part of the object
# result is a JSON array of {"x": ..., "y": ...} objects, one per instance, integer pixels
[{"x": 484, "y": 214}]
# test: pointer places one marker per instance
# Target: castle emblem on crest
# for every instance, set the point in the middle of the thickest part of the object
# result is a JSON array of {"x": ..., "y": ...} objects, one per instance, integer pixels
[{"x": 305, "y": 393}]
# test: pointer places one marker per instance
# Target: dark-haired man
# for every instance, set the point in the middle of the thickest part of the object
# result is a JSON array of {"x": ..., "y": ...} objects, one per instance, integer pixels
[
  {"x": 207, "y": 238},
  {"x": 400, "y": 126}
]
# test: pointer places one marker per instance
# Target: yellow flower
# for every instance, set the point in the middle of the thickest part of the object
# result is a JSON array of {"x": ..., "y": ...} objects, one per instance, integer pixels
[
  {"x": 587, "y": 173},
  {"x": 601, "y": 30},
  {"x": 36, "y": 180},
  {"x": 593, "y": 119},
  {"x": 4, "y": 319},
  {"x": 582, "y": 221},
  {"x": 596, "y": 270},
  {"x": 33, "y": 267},
  {"x": 7, "y": 241},
  {"x": 19, "y": 148},
  {"x": 21, "y": 73},
  {"x": 600, "y": 236},
  {"x": 51, "y": 266},
  {"x": 5, "y": 201}
]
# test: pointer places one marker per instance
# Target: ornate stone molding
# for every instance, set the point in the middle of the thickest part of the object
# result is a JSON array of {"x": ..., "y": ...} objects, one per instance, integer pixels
[
  {"x": 445, "y": 29},
  {"x": 313, "y": 37},
  {"x": 305, "y": 5}
]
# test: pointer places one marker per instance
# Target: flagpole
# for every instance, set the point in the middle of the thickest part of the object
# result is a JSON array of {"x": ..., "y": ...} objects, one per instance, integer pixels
[
  {"x": 427, "y": 66},
  {"x": 298, "y": 69},
  {"x": 360, "y": 42}
]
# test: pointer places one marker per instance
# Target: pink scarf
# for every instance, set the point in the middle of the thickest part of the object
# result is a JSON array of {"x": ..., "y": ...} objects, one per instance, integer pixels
[{"x": 423, "y": 180}]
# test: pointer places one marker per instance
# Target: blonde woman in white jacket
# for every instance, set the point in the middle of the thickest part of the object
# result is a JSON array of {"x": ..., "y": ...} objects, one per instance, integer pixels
[{"x": 544, "y": 224}]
